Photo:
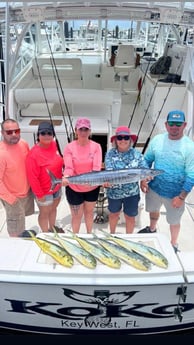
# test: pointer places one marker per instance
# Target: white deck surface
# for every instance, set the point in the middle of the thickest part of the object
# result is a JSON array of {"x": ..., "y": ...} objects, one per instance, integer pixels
[{"x": 186, "y": 237}]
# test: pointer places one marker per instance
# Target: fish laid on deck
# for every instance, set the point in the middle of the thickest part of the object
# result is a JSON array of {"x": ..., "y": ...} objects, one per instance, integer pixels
[
  {"x": 98, "y": 252},
  {"x": 120, "y": 176},
  {"x": 150, "y": 253},
  {"x": 131, "y": 258},
  {"x": 58, "y": 253},
  {"x": 80, "y": 254}
]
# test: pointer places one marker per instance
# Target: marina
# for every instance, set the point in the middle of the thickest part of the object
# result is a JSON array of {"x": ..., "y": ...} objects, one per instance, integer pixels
[{"x": 56, "y": 65}]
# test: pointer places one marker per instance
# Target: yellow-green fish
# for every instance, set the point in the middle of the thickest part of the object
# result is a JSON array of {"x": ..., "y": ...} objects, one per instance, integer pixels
[
  {"x": 150, "y": 253},
  {"x": 80, "y": 254},
  {"x": 98, "y": 252},
  {"x": 130, "y": 257},
  {"x": 58, "y": 253}
]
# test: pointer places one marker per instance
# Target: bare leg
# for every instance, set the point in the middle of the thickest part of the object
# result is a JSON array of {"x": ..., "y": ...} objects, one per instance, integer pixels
[
  {"x": 154, "y": 216},
  {"x": 76, "y": 216},
  {"x": 130, "y": 224},
  {"x": 113, "y": 220},
  {"x": 89, "y": 215},
  {"x": 174, "y": 231},
  {"x": 53, "y": 213},
  {"x": 43, "y": 217}
]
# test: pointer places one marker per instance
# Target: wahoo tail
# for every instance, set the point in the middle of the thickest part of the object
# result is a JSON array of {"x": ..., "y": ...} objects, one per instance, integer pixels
[{"x": 54, "y": 181}]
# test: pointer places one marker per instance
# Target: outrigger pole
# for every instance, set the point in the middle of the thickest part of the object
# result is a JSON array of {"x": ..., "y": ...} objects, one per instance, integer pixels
[
  {"x": 142, "y": 81},
  {"x": 56, "y": 74},
  {"x": 157, "y": 118},
  {"x": 50, "y": 116}
]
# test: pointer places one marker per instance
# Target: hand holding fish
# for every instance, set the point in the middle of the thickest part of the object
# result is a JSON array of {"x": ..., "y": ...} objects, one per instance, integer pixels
[
  {"x": 65, "y": 181},
  {"x": 144, "y": 186}
]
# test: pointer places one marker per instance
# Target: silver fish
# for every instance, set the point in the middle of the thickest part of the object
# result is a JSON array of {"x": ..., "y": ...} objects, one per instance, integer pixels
[{"x": 97, "y": 178}]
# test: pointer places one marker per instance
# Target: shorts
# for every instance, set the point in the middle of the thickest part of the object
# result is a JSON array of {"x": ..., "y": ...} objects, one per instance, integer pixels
[
  {"x": 154, "y": 202},
  {"x": 78, "y": 198},
  {"x": 129, "y": 204},
  {"x": 49, "y": 198},
  {"x": 16, "y": 213}
]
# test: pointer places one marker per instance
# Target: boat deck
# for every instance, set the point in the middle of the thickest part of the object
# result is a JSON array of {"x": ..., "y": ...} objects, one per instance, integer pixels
[{"x": 186, "y": 242}]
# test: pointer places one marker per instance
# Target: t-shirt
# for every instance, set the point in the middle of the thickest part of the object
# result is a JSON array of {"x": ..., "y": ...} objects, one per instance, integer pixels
[{"x": 80, "y": 159}]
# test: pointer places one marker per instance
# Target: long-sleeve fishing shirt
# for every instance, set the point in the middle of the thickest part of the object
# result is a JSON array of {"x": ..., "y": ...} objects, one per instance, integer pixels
[
  {"x": 176, "y": 158},
  {"x": 114, "y": 159},
  {"x": 82, "y": 159},
  {"x": 38, "y": 161},
  {"x": 13, "y": 177}
]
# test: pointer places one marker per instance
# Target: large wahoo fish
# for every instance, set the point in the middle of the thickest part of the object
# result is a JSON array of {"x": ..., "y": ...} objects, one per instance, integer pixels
[{"x": 97, "y": 178}]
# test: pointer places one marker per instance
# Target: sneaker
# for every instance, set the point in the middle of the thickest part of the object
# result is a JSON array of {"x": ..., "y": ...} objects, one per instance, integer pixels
[
  {"x": 146, "y": 230},
  {"x": 175, "y": 247},
  {"x": 58, "y": 230},
  {"x": 27, "y": 233}
]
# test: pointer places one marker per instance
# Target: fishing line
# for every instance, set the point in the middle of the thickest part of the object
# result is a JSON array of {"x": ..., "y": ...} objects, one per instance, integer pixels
[
  {"x": 50, "y": 117},
  {"x": 157, "y": 118},
  {"x": 143, "y": 80},
  {"x": 62, "y": 92}
]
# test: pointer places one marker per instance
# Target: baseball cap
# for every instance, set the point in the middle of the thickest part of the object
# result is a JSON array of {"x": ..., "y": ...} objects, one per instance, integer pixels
[
  {"x": 83, "y": 122},
  {"x": 123, "y": 130},
  {"x": 45, "y": 126},
  {"x": 176, "y": 116}
]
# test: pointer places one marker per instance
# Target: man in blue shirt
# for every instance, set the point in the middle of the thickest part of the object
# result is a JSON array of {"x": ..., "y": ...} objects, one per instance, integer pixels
[{"x": 172, "y": 152}]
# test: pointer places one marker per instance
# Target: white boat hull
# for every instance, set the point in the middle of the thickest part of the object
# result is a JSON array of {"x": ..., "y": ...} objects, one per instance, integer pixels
[{"x": 38, "y": 295}]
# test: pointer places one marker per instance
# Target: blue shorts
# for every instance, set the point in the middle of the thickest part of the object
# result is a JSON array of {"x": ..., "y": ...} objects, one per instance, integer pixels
[
  {"x": 78, "y": 198},
  {"x": 49, "y": 198},
  {"x": 129, "y": 205}
]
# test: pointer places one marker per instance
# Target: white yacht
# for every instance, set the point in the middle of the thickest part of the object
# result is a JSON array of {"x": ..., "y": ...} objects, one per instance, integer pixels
[{"x": 99, "y": 59}]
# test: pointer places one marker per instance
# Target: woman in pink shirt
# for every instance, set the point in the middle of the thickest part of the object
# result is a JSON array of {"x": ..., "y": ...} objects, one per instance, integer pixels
[{"x": 81, "y": 156}]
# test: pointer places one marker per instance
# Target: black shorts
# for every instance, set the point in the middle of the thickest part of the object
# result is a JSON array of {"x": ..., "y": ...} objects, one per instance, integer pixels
[{"x": 77, "y": 198}]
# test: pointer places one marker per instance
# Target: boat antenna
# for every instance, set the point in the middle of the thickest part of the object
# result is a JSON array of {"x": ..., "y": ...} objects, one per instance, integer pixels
[
  {"x": 157, "y": 118},
  {"x": 45, "y": 98},
  {"x": 56, "y": 74},
  {"x": 142, "y": 80}
]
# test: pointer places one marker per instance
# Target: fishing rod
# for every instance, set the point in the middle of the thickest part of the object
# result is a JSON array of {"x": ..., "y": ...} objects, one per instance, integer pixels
[
  {"x": 45, "y": 98},
  {"x": 146, "y": 111},
  {"x": 142, "y": 81},
  {"x": 157, "y": 118},
  {"x": 56, "y": 74}
]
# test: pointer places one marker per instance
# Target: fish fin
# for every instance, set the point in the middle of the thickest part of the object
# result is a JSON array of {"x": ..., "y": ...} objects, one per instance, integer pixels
[{"x": 53, "y": 179}]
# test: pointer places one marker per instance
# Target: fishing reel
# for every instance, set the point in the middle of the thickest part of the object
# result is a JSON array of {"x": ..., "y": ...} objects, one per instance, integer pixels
[{"x": 101, "y": 208}]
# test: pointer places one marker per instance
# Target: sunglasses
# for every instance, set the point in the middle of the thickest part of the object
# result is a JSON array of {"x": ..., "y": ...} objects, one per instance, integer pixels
[
  {"x": 177, "y": 124},
  {"x": 43, "y": 133},
  {"x": 123, "y": 137},
  {"x": 83, "y": 129},
  {"x": 12, "y": 131}
]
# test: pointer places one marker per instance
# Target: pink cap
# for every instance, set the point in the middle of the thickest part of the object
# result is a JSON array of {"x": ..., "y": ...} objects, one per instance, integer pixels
[
  {"x": 123, "y": 130},
  {"x": 83, "y": 122}
]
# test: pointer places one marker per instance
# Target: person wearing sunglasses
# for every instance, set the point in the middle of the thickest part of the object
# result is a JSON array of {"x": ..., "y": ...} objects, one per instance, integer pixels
[
  {"x": 15, "y": 193},
  {"x": 123, "y": 197},
  {"x": 172, "y": 152},
  {"x": 82, "y": 155},
  {"x": 43, "y": 156}
]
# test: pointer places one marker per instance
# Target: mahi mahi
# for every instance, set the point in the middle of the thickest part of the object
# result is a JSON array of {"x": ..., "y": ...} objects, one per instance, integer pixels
[
  {"x": 98, "y": 252},
  {"x": 96, "y": 178},
  {"x": 133, "y": 259},
  {"x": 58, "y": 253},
  {"x": 80, "y": 254},
  {"x": 148, "y": 252}
]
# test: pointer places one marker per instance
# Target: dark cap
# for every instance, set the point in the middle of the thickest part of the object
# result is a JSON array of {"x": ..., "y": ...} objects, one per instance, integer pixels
[{"x": 45, "y": 126}]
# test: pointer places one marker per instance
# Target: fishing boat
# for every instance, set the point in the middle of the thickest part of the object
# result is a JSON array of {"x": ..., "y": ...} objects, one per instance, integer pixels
[{"x": 62, "y": 60}]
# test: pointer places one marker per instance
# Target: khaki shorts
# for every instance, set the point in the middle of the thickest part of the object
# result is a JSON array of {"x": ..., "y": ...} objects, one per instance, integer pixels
[
  {"x": 154, "y": 203},
  {"x": 16, "y": 213}
]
